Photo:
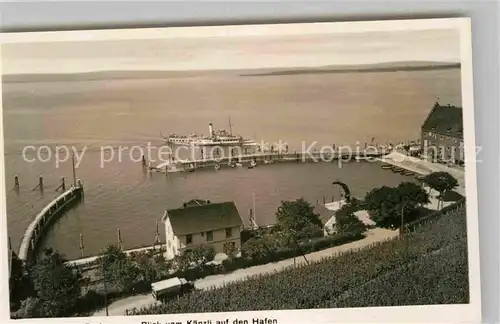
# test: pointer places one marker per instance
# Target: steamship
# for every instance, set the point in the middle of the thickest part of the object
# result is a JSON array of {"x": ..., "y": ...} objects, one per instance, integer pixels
[{"x": 214, "y": 138}]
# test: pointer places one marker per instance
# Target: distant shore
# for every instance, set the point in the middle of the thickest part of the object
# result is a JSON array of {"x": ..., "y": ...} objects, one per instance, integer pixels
[{"x": 150, "y": 74}]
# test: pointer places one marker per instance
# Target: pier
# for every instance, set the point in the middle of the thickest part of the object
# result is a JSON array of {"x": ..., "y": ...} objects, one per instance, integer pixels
[
  {"x": 38, "y": 227},
  {"x": 90, "y": 262},
  {"x": 264, "y": 158}
]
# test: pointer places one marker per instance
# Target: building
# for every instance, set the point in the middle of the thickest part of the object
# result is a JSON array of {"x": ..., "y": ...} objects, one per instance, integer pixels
[
  {"x": 202, "y": 223},
  {"x": 442, "y": 135}
]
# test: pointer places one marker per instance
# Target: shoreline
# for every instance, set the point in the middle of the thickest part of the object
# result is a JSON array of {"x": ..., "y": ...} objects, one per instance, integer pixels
[{"x": 423, "y": 167}]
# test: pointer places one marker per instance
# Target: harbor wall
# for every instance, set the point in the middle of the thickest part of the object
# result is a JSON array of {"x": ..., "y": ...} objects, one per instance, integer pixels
[{"x": 43, "y": 220}]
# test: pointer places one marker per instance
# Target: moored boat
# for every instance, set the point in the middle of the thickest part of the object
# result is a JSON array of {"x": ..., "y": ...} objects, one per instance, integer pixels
[{"x": 191, "y": 168}]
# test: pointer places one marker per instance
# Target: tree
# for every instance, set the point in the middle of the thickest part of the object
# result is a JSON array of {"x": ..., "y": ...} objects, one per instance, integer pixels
[
  {"x": 442, "y": 182},
  {"x": 381, "y": 204},
  {"x": 113, "y": 254},
  {"x": 389, "y": 206},
  {"x": 31, "y": 307},
  {"x": 58, "y": 286},
  {"x": 297, "y": 215},
  {"x": 145, "y": 265},
  {"x": 195, "y": 257},
  {"x": 21, "y": 285},
  {"x": 260, "y": 246},
  {"x": 347, "y": 223},
  {"x": 117, "y": 268},
  {"x": 308, "y": 232},
  {"x": 162, "y": 266},
  {"x": 412, "y": 195}
]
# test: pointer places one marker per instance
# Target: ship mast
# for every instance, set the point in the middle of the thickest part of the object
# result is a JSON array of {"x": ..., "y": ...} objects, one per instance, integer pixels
[{"x": 230, "y": 127}]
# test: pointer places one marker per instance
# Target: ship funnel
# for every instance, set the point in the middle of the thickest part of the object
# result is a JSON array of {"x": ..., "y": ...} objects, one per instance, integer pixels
[{"x": 210, "y": 129}]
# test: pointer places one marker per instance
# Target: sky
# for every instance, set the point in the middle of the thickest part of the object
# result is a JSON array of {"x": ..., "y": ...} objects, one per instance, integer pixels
[{"x": 266, "y": 50}]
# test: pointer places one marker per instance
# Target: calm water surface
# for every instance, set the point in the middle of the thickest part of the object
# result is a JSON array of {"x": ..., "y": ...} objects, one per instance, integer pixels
[{"x": 322, "y": 108}]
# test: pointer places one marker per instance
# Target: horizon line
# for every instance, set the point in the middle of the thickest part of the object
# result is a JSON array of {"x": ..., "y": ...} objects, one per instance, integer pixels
[{"x": 305, "y": 68}]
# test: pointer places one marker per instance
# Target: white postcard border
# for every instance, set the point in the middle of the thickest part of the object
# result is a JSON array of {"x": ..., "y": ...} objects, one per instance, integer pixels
[{"x": 416, "y": 314}]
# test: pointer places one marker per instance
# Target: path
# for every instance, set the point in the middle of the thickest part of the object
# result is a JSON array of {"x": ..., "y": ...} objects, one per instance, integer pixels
[{"x": 374, "y": 235}]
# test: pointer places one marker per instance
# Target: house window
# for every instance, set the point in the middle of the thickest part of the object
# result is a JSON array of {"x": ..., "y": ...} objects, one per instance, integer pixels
[
  {"x": 229, "y": 232},
  {"x": 189, "y": 239},
  {"x": 210, "y": 236}
]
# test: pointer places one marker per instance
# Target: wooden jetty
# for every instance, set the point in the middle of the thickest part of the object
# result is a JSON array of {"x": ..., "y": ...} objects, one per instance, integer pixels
[
  {"x": 36, "y": 230},
  {"x": 261, "y": 159}
]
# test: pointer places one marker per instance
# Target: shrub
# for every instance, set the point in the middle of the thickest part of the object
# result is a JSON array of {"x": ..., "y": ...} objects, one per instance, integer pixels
[{"x": 427, "y": 266}]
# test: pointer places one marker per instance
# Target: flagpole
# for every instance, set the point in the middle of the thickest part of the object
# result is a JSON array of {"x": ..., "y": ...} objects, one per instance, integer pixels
[{"x": 74, "y": 172}]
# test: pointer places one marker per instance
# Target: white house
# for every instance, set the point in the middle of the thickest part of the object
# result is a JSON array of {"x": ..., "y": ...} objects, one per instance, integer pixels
[{"x": 202, "y": 223}]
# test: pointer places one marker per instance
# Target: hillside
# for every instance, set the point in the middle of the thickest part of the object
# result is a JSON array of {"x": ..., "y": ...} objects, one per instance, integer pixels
[
  {"x": 380, "y": 67},
  {"x": 427, "y": 266}
]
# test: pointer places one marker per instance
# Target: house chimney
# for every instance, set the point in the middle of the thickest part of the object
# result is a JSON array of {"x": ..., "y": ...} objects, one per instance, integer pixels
[{"x": 210, "y": 129}]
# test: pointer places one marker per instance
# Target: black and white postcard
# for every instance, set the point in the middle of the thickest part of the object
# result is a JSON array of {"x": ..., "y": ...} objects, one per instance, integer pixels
[{"x": 246, "y": 174}]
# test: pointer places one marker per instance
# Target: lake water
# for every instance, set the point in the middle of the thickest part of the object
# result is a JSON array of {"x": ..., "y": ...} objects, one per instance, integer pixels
[{"x": 323, "y": 108}]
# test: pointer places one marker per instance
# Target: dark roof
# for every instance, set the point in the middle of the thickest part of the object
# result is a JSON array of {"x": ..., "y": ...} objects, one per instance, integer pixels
[
  {"x": 446, "y": 120},
  {"x": 203, "y": 218}
]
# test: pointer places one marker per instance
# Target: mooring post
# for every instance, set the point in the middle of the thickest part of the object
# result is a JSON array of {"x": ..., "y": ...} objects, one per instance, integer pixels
[
  {"x": 324, "y": 200},
  {"x": 73, "y": 168},
  {"x": 79, "y": 183},
  {"x": 16, "y": 182},
  {"x": 157, "y": 238},
  {"x": 119, "y": 238},
  {"x": 81, "y": 244},
  {"x": 143, "y": 158},
  {"x": 63, "y": 184},
  {"x": 40, "y": 183}
]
